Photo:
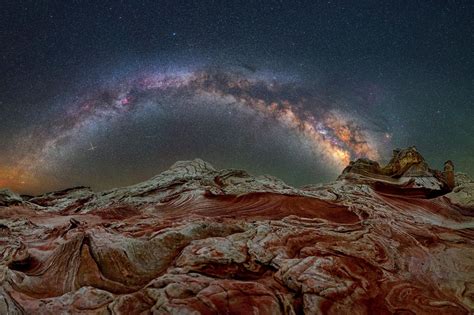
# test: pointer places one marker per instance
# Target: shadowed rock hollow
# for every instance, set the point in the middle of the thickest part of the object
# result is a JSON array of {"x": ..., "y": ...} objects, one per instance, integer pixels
[{"x": 195, "y": 240}]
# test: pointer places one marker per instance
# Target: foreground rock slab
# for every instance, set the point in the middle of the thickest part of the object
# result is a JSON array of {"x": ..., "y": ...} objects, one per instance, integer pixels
[{"x": 195, "y": 240}]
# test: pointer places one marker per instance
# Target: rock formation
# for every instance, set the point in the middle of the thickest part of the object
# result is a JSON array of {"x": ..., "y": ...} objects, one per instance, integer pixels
[
  {"x": 448, "y": 174},
  {"x": 196, "y": 240},
  {"x": 8, "y": 198},
  {"x": 407, "y": 173}
]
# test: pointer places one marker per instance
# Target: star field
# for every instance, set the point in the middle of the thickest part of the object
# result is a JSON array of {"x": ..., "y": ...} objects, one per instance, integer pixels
[{"x": 109, "y": 93}]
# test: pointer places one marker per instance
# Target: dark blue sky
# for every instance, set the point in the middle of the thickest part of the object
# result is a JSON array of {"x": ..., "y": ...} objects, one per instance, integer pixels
[{"x": 405, "y": 67}]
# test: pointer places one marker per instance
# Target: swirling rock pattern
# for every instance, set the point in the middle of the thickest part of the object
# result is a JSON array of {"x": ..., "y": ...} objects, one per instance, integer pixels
[{"x": 195, "y": 240}]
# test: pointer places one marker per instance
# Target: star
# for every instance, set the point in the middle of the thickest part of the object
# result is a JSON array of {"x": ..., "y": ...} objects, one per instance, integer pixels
[{"x": 300, "y": 79}]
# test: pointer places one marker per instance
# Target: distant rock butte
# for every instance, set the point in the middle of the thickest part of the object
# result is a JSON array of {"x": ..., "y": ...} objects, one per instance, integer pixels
[
  {"x": 397, "y": 239},
  {"x": 407, "y": 173}
]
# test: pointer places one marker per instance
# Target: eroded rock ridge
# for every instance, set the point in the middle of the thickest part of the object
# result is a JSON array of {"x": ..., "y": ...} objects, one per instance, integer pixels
[{"x": 196, "y": 240}]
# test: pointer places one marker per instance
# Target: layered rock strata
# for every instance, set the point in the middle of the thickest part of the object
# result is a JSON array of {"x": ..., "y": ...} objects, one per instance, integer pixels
[{"x": 196, "y": 240}]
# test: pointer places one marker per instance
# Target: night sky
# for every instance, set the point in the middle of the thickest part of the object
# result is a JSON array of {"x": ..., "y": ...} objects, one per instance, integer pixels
[{"x": 110, "y": 93}]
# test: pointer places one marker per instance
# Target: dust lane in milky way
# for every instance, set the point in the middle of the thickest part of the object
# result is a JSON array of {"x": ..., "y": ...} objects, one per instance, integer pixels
[{"x": 331, "y": 134}]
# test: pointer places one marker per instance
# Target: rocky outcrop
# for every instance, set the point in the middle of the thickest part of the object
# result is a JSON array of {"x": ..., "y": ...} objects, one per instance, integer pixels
[
  {"x": 462, "y": 195},
  {"x": 406, "y": 173},
  {"x": 448, "y": 174},
  {"x": 63, "y": 200},
  {"x": 9, "y": 198},
  {"x": 406, "y": 162},
  {"x": 196, "y": 240}
]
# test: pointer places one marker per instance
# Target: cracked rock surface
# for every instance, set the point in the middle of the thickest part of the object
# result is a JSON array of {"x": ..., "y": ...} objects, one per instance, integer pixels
[{"x": 196, "y": 240}]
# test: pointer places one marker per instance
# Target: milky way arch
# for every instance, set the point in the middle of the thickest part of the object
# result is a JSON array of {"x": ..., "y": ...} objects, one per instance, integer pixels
[{"x": 330, "y": 133}]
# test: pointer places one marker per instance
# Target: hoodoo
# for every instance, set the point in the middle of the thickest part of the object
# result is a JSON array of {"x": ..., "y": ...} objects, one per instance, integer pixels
[{"x": 449, "y": 174}]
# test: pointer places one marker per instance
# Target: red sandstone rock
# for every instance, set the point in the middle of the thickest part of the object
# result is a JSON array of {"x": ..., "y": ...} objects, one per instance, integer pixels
[{"x": 195, "y": 240}]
